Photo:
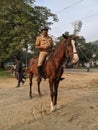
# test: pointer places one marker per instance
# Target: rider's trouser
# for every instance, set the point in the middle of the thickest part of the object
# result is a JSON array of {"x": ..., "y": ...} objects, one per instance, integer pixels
[{"x": 41, "y": 58}]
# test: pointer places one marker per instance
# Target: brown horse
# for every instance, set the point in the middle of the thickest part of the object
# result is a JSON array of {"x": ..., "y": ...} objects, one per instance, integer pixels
[{"x": 54, "y": 67}]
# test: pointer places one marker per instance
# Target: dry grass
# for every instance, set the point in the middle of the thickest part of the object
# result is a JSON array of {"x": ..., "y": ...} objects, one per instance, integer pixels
[{"x": 77, "y": 104}]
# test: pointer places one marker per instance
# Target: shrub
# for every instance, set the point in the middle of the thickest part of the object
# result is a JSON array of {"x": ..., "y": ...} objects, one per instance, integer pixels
[{"x": 5, "y": 74}]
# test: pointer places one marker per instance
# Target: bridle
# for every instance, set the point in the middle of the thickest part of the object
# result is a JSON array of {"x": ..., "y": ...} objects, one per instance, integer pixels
[{"x": 71, "y": 55}]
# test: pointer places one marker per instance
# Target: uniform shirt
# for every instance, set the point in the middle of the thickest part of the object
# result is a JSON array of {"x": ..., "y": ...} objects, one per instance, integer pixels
[{"x": 44, "y": 41}]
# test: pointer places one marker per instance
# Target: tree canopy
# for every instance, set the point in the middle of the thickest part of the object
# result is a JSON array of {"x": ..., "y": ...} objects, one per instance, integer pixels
[{"x": 20, "y": 23}]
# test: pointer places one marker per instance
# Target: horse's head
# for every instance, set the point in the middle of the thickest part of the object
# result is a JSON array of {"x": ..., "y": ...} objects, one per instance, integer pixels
[{"x": 70, "y": 48}]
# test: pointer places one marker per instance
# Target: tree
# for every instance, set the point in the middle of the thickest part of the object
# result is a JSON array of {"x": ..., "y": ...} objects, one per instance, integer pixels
[
  {"x": 86, "y": 52},
  {"x": 20, "y": 23}
]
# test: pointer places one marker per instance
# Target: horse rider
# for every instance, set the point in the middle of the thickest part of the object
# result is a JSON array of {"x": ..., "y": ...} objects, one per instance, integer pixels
[{"x": 45, "y": 45}]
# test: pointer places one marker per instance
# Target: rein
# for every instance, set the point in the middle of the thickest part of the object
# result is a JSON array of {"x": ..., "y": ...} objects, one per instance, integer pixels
[{"x": 73, "y": 53}]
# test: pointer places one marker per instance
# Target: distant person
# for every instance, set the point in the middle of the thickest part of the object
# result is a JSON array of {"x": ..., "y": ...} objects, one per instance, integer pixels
[{"x": 19, "y": 71}]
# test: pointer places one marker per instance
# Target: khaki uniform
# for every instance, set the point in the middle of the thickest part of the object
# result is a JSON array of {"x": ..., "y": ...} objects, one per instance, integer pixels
[{"x": 43, "y": 41}]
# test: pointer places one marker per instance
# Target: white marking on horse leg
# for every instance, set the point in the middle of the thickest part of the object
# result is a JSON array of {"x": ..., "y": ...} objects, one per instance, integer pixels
[{"x": 53, "y": 107}]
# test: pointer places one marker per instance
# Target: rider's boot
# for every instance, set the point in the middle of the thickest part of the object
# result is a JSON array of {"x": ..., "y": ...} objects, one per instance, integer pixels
[{"x": 39, "y": 73}]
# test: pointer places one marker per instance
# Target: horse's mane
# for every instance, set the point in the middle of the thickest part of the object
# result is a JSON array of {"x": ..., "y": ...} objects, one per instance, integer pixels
[{"x": 58, "y": 48}]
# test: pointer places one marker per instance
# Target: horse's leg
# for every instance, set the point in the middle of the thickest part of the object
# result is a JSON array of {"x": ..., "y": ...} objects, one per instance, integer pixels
[
  {"x": 56, "y": 84},
  {"x": 38, "y": 83},
  {"x": 30, "y": 79},
  {"x": 51, "y": 83},
  {"x": 54, "y": 94}
]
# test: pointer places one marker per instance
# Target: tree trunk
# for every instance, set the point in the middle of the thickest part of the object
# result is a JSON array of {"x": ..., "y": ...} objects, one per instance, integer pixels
[{"x": 1, "y": 65}]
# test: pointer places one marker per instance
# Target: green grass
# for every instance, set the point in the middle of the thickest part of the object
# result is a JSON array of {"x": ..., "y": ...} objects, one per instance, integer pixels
[{"x": 5, "y": 74}]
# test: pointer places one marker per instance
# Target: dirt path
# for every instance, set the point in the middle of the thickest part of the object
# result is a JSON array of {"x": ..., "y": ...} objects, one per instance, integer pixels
[{"x": 77, "y": 104}]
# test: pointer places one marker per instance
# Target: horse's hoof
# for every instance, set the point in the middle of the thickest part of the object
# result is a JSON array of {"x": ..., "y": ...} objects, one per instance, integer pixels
[
  {"x": 53, "y": 108},
  {"x": 31, "y": 96},
  {"x": 40, "y": 94}
]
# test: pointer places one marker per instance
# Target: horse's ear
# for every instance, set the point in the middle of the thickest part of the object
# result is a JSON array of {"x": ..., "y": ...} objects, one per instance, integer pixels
[{"x": 66, "y": 37}]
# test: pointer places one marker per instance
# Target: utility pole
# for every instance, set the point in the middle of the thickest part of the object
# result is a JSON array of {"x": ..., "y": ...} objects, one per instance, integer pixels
[
  {"x": 77, "y": 27},
  {"x": 26, "y": 55}
]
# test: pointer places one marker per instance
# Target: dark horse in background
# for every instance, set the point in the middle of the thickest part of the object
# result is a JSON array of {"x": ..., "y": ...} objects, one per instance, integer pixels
[{"x": 53, "y": 69}]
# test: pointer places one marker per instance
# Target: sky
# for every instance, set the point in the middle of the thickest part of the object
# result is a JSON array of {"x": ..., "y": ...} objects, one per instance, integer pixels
[{"x": 70, "y": 11}]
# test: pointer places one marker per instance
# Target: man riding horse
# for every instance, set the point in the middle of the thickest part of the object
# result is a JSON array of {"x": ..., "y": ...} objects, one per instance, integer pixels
[
  {"x": 53, "y": 69},
  {"x": 45, "y": 45}
]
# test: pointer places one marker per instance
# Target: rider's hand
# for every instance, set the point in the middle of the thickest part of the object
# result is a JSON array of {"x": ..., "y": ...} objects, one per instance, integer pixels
[{"x": 45, "y": 48}]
